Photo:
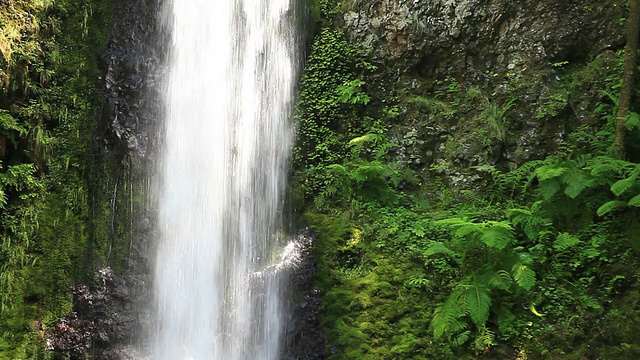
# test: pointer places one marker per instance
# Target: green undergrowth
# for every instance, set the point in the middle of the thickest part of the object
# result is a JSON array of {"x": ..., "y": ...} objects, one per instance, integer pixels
[
  {"x": 49, "y": 101},
  {"x": 538, "y": 263}
]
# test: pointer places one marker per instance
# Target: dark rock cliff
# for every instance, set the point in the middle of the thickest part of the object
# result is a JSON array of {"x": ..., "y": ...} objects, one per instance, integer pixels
[
  {"x": 486, "y": 53},
  {"x": 110, "y": 310}
]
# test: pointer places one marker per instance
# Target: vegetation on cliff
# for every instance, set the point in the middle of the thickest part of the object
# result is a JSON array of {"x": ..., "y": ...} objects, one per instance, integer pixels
[
  {"x": 52, "y": 227},
  {"x": 472, "y": 253},
  {"x": 446, "y": 229}
]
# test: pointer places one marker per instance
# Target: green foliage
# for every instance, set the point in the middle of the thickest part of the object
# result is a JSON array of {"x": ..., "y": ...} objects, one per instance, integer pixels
[
  {"x": 502, "y": 268},
  {"x": 413, "y": 268},
  {"x": 495, "y": 118},
  {"x": 351, "y": 93},
  {"x": 564, "y": 241},
  {"x": 326, "y": 106},
  {"x": 48, "y": 105}
]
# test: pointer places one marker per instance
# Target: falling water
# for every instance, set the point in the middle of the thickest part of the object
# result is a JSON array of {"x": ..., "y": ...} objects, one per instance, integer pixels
[{"x": 227, "y": 139}]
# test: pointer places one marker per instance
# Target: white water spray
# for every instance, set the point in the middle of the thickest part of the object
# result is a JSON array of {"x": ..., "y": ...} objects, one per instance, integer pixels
[{"x": 226, "y": 147}]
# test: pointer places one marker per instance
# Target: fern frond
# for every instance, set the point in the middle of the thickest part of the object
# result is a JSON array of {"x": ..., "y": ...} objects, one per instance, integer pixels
[
  {"x": 635, "y": 201},
  {"x": 565, "y": 241},
  {"x": 7, "y": 122},
  {"x": 621, "y": 186},
  {"x": 547, "y": 172},
  {"x": 601, "y": 169},
  {"x": 575, "y": 182},
  {"x": 529, "y": 169},
  {"x": 590, "y": 301},
  {"x": 583, "y": 160},
  {"x": 532, "y": 223},
  {"x": 461, "y": 227},
  {"x": 485, "y": 339},
  {"x": 369, "y": 171},
  {"x": 610, "y": 206},
  {"x": 550, "y": 187},
  {"x": 524, "y": 276},
  {"x": 337, "y": 169},
  {"x": 439, "y": 248},
  {"x": 603, "y": 165},
  {"x": 632, "y": 121},
  {"x": 461, "y": 339},
  {"x": 366, "y": 138},
  {"x": 500, "y": 280},
  {"x": 498, "y": 236},
  {"x": 518, "y": 216},
  {"x": 477, "y": 303},
  {"x": 445, "y": 318},
  {"x": 456, "y": 327}
]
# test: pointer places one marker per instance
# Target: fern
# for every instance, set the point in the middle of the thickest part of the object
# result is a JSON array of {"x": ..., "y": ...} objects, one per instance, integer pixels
[
  {"x": 635, "y": 201},
  {"x": 565, "y": 241},
  {"x": 632, "y": 121},
  {"x": 548, "y": 172},
  {"x": 477, "y": 303},
  {"x": 566, "y": 174},
  {"x": 524, "y": 276},
  {"x": 498, "y": 236},
  {"x": 575, "y": 182},
  {"x": 604, "y": 165},
  {"x": 366, "y": 138},
  {"x": 495, "y": 234},
  {"x": 522, "y": 273},
  {"x": 621, "y": 186},
  {"x": 446, "y": 318},
  {"x": 485, "y": 339},
  {"x": 439, "y": 248},
  {"x": 7, "y": 122},
  {"x": 499, "y": 280},
  {"x": 461, "y": 226},
  {"x": 533, "y": 223},
  {"x": 610, "y": 206},
  {"x": 549, "y": 188},
  {"x": 469, "y": 298},
  {"x": 461, "y": 339}
]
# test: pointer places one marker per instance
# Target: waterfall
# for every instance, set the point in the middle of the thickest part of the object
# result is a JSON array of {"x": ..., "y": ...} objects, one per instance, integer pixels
[{"x": 226, "y": 143}]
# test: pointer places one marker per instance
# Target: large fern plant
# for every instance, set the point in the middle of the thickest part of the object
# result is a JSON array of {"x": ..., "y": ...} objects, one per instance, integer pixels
[{"x": 490, "y": 263}]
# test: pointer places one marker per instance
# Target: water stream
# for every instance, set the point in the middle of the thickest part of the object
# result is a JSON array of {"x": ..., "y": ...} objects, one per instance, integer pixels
[{"x": 227, "y": 138}]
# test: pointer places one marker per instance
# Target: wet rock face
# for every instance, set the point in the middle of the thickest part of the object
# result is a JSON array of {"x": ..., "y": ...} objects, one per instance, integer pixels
[
  {"x": 102, "y": 320},
  {"x": 501, "y": 49},
  {"x": 110, "y": 311},
  {"x": 466, "y": 37},
  {"x": 134, "y": 72},
  {"x": 304, "y": 338}
]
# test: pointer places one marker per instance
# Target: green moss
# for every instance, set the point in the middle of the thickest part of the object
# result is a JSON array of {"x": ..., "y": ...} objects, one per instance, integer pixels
[
  {"x": 385, "y": 264},
  {"x": 50, "y": 93}
]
